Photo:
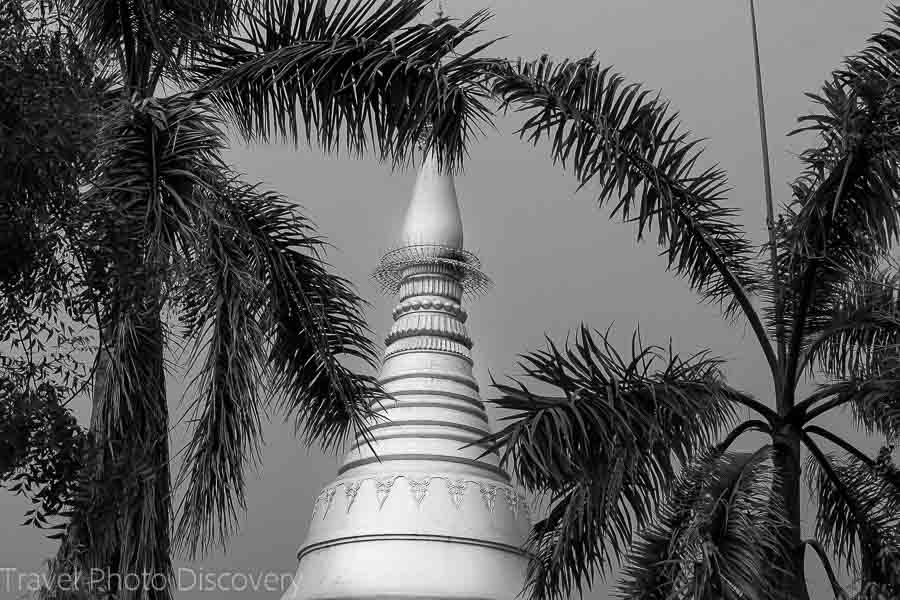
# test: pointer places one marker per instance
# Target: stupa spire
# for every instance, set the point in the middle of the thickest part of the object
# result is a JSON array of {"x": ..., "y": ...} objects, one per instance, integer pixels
[
  {"x": 433, "y": 216},
  {"x": 418, "y": 510}
]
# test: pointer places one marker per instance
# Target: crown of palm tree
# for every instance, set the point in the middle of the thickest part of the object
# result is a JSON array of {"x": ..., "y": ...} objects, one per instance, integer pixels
[{"x": 628, "y": 454}]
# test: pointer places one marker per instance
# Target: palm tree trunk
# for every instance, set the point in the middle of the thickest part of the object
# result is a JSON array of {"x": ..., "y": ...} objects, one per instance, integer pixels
[
  {"x": 789, "y": 473},
  {"x": 119, "y": 537},
  {"x": 138, "y": 454}
]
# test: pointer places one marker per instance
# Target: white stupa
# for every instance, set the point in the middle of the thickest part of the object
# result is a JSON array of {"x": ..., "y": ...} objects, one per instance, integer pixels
[{"x": 427, "y": 518}]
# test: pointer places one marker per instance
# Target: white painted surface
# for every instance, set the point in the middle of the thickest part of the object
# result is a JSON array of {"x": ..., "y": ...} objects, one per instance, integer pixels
[{"x": 428, "y": 518}]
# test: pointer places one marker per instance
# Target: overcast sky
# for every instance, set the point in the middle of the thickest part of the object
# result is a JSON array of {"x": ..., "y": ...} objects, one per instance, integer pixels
[{"x": 556, "y": 259}]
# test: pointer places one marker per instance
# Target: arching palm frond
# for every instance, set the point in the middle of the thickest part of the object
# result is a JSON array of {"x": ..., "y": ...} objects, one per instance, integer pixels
[
  {"x": 864, "y": 332},
  {"x": 717, "y": 535},
  {"x": 844, "y": 213},
  {"x": 876, "y": 403},
  {"x": 273, "y": 326},
  {"x": 654, "y": 568},
  {"x": 859, "y": 351},
  {"x": 222, "y": 300},
  {"x": 566, "y": 545},
  {"x": 874, "y": 399},
  {"x": 358, "y": 72},
  {"x": 629, "y": 143},
  {"x": 605, "y": 451},
  {"x": 313, "y": 319},
  {"x": 858, "y": 514}
]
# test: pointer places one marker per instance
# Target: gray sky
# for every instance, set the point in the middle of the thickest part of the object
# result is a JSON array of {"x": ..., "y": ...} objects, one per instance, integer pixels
[{"x": 556, "y": 260}]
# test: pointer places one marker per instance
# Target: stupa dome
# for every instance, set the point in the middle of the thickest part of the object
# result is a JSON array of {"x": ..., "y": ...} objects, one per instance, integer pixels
[{"x": 421, "y": 513}]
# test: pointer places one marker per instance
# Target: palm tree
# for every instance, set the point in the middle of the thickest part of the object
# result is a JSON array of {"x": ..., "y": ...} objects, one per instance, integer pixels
[
  {"x": 165, "y": 227},
  {"x": 634, "y": 453},
  {"x": 167, "y": 246}
]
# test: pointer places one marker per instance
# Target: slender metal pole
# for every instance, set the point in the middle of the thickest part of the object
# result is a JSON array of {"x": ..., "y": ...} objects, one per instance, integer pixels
[{"x": 767, "y": 183}]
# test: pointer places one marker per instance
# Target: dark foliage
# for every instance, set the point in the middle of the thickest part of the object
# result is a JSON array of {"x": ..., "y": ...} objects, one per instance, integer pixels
[
  {"x": 123, "y": 223},
  {"x": 602, "y": 448}
]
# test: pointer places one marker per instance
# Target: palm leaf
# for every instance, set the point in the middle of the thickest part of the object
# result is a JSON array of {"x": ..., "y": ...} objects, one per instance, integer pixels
[
  {"x": 314, "y": 320},
  {"x": 654, "y": 566},
  {"x": 865, "y": 328},
  {"x": 613, "y": 437},
  {"x": 222, "y": 314},
  {"x": 566, "y": 545},
  {"x": 858, "y": 515},
  {"x": 629, "y": 144},
  {"x": 266, "y": 314},
  {"x": 874, "y": 400},
  {"x": 154, "y": 156},
  {"x": 716, "y": 536},
  {"x": 359, "y": 73},
  {"x": 843, "y": 217}
]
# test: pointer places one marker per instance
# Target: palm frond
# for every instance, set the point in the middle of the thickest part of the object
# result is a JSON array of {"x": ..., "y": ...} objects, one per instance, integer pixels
[
  {"x": 874, "y": 400},
  {"x": 844, "y": 214},
  {"x": 715, "y": 536},
  {"x": 629, "y": 143},
  {"x": 864, "y": 330},
  {"x": 272, "y": 324},
  {"x": 314, "y": 320},
  {"x": 619, "y": 426},
  {"x": 839, "y": 592},
  {"x": 858, "y": 515},
  {"x": 567, "y": 544},
  {"x": 654, "y": 566},
  {"x": 223, "y": 300},
  {"x": 357, "y": 73}
]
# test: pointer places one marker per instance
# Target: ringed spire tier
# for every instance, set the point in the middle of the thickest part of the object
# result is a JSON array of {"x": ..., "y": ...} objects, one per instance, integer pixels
[{"x": 419, "y": 513}]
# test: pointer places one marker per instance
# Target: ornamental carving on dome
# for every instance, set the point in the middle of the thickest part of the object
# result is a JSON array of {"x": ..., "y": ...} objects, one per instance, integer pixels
[
  {"x": 457, "y": 489},
  {"x": 350, "y": 490},
  {"x": 431, "y": 285},
  {"x": 419, "y": 487},
  {"x": 329, "y": 500},
  {"x": 323, "y": 502},
  {"x": 383, "y": 489},
  {"x": 488, "y": 495}
]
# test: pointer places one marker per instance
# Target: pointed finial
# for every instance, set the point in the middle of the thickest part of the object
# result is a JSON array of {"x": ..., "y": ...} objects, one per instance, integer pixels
[
  {"x": 440, "y": 10},
  {"x": 433, "y": 217}
]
